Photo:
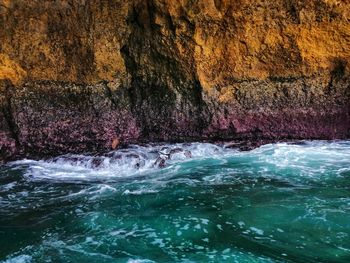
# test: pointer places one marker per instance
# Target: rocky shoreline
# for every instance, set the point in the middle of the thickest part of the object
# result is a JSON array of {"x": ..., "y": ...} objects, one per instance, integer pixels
[
  {"x": 90, "y": 76},
  {"x": 48, "y": 119}
]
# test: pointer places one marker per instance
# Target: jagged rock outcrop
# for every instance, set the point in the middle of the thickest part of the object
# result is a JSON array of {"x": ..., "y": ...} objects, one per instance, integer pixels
[{"x": 76, "y": 75}]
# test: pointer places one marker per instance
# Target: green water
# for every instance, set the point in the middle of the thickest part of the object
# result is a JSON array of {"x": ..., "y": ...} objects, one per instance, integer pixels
[{"x": 279, "y": 203}]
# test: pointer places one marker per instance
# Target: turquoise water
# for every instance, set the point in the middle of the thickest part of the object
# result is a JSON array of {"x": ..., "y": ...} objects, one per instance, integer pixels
[{"x": 278, "y": 203}]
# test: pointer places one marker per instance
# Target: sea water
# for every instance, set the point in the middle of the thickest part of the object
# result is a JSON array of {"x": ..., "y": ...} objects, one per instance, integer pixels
[{"x": 284, "y": 202}]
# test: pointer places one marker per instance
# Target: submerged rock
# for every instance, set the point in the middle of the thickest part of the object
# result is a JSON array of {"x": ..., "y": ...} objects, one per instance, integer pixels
[
  {"x": 174, "y": 151},
  {"x": 97, "y": 162},
  {"x": 160, "y": 162},
  {"x": 188, "y": 154}
]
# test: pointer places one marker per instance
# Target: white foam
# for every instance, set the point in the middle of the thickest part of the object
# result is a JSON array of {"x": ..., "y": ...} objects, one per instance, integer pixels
[
  {"x": 19, "y": 259},
  {"x": 139, "y": 192},
  {"x": 257, "y": 231},
  {"x": 136, "y": 160},
  {"x": 308, "y": 160},
  {"x": 140, "y": 261}
]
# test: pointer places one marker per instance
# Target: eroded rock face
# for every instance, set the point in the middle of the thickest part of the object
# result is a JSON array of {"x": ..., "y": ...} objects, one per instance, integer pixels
[{"x": 78, "y": 75}]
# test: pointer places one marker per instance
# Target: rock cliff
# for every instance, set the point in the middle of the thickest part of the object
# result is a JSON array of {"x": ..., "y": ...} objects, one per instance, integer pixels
[{"x": 77, "y": 75}]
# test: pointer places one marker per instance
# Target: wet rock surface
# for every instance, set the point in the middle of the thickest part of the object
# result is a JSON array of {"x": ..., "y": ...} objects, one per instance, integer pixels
[{"x": 91, "y": 76}]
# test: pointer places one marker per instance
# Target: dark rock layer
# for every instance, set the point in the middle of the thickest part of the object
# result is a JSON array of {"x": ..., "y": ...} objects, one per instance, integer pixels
[{"x": 48, "y": 118}]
